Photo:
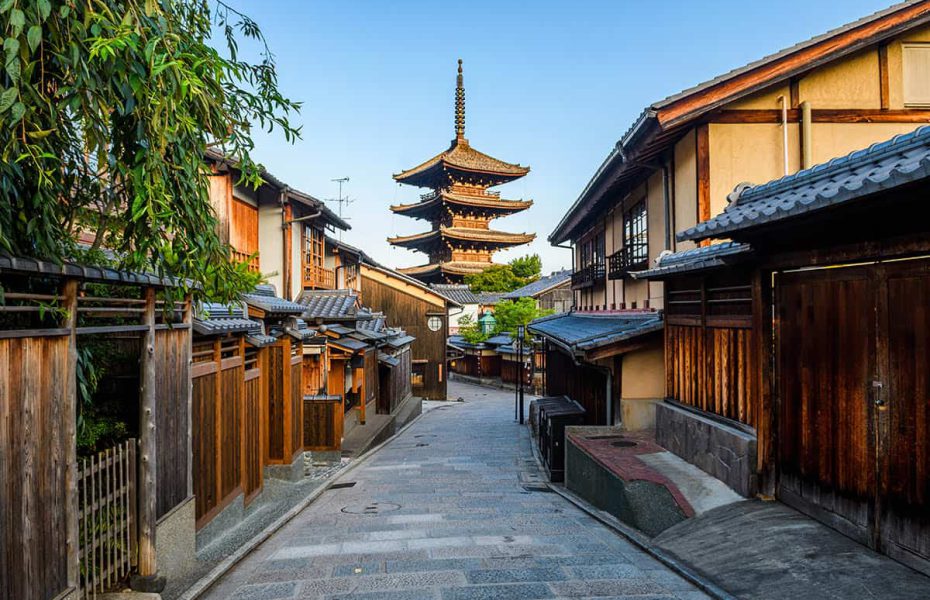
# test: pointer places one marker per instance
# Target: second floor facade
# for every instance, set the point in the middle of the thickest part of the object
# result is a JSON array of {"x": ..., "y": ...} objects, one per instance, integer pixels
[{"x": 821, "y": 99}]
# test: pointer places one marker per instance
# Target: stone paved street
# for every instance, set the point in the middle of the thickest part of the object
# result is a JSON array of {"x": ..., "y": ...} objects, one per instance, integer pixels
[{"x": 442, "y": 512}]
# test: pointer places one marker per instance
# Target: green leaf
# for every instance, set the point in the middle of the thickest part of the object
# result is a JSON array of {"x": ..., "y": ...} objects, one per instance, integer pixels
[
  {"x": 45, "y": 8},
  {"x": 17, "y": 21},
  {"x": 34, "y": 37},
  {"x": 17, "y": 112},
  {"x": 7, "y": 98},
  {"x": 5, "y": 6}
]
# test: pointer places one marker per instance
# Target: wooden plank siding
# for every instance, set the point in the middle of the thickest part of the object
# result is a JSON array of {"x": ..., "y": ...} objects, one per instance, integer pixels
[
  {"x": 285, "y": 402},
  {"x": 323, "y": 421},
  {"x": 172, "y": 364},
  {"x": 713, "y": 369},
  {"x": 585, "y": 385},
  {"x": 34, "y": 490},
  {"x": 412, "y": 313},
  {"x": 395, "y": 385}
]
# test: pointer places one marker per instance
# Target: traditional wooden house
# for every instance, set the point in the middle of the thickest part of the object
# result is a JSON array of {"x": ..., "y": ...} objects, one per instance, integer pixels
[
  {"x": 468, "y": 303},
  {"x": 551, "y": 293},
  {"x": 460, "y": 208},
  {"x": 422, "y": 313},
  {"x": 279, "y": 231},
  {"x": 808, "y": 331},
  {"x": 674, "y": 168}
]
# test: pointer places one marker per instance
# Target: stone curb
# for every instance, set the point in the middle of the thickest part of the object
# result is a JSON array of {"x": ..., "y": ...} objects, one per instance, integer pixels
[{"x": 207, "y": 581}]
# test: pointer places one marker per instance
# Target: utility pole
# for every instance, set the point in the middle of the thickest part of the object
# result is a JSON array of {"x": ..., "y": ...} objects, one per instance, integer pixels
[{"x": 342, "y": 201}]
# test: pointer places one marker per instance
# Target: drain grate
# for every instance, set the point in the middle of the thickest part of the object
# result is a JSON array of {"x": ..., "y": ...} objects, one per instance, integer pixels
[
  {"x": 540, "y": 488},
  {"x": 342, "y": 486},
  {"x": 370, "y": 508},
  {"x": 425, "y": 435},
  {"x": 421, "y": 445}
]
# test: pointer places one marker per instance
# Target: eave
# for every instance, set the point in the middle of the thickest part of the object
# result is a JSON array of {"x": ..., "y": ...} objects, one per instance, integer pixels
[
  {"x": 426, "y": 209},
  {"x": 482, "y": 237}
]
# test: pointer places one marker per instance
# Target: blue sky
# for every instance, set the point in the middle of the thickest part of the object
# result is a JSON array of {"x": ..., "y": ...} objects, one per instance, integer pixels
[{"x": 549, "y": 84}]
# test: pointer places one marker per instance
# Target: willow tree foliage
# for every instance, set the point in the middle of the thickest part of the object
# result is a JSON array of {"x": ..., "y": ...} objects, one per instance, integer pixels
[{"x": 106, "y": 109}]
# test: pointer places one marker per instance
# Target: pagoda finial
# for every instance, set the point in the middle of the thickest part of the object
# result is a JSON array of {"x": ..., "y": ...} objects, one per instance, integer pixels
[{"x": 460, "y": 105}]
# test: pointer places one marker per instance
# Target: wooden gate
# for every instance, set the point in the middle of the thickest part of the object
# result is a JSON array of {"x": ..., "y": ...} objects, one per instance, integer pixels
[{"x": 854, "y": 401}]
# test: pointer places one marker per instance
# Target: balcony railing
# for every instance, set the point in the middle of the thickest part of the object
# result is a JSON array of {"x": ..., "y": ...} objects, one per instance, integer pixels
[
  {"x": 621, "y": 262},
  {"x": 319, "y": 277},
  {"x": 587, "y": 276},
  {"x": 246, "y": 257}
]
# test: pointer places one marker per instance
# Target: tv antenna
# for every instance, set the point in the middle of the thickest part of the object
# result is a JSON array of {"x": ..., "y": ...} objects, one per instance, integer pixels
[{"x": 343, "y": 201}]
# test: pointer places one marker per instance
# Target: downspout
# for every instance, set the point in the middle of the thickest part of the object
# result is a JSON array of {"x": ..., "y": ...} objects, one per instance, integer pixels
[
  {"x": 285, "y": 265},
  {"x": 784, "y": 129},
  {"x": 807, "y": 154},
  {"x": 572, "y": 249}
]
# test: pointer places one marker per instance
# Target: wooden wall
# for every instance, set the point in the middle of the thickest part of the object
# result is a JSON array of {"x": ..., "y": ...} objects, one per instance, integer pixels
[
  {"x": 285, "y": 402},
  {"x": 511, "y": 371},
  {"x": 713, "y": 369},
  {"x": 172, "y": 364},
  {"x": 394, "y": 386},
  {"x": 35, "y": 418},
  {"x": 582, "y": 384},
  {"x": 323, "y": 422},
  {"x": 411, "y": 313},
  {"x": 243, "y": 226}
]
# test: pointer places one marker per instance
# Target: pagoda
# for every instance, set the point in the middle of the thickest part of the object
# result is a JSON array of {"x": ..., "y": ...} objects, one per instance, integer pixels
[{"x": 459, "y": 207}]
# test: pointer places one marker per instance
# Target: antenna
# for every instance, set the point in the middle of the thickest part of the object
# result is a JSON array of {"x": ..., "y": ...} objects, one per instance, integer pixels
[{"x": 342, "y": 201}]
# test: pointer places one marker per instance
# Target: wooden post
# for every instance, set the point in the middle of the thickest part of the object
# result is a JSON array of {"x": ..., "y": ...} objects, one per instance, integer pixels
[
  {"x": 147, "y": 579},
  {"x": 69, "y": 303},
  {"x": 189, "y": 323}
]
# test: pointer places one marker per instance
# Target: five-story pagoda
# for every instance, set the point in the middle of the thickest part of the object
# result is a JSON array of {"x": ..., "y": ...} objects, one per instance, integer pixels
[{"x": 459, "y": 207}]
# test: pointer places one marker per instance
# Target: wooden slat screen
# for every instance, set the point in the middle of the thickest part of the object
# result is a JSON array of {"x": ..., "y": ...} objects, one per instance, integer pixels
[
  {"x": 322, "y": 426},
  {"x": 172, "y": 376}
]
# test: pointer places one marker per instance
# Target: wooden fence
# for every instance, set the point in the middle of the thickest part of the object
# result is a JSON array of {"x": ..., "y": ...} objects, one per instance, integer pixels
[
  {"x": 395, "y": 383},
  {"x": 107, "y": 522},
  {"x": 323, "y": 423}
]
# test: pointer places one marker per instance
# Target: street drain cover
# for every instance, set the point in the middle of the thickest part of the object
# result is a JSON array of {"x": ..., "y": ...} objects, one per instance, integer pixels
[
  {"x": 623, "y": 444},
  {"x": 425, "y": 435},
  {"x": 542, "y": 488},
  {"x": 421, "y": 445},
  {"x": 370, "y": 508},
  {"x": 342, "y": 486}
]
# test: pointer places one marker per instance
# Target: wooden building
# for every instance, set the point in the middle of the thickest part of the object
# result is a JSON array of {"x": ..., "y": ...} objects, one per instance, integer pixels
[
  {"x": 675, "y": 166},
  {"x": 422, "y": 313},
  {"x": 552, "y": 292},
  {"x": 823, "y": 355},
  {"x": 280, "y": 231},
  {"x": 459, "y": 207},
  {"x": 468, "y": 304}
]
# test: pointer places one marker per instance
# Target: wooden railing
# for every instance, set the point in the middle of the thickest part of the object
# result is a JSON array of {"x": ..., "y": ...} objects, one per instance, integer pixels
[
  {"x": 317, "y": 276},
  {"x": 625, "y": 260},
  {"x": 107, "y": 520},
  {"x": 588, "y": 275},
  {"x": 247, "y": 258}
]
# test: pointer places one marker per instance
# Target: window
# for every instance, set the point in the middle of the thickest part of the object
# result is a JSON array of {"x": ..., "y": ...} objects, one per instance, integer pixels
[
  {"x": 635, "y": 236},
  {"x": 434, "y": 323},
  {"x": 916, "y": 62},
  {"x": 416, "y": 374},
  {"x": 592, "y": 250}
]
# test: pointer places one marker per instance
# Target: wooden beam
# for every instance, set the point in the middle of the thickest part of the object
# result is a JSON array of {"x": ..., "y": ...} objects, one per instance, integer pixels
[
  {"x": 794, "y": 92},
  {"x": 805, "y": 59},
  {"x": 702, "y": 149},
  {"x": 883, "y": 84},
  {"x": 823, "y": 115},
  {"x": 148, "y": 467}
]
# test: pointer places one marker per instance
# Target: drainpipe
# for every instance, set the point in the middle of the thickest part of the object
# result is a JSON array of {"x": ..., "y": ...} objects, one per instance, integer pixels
[
  {"x": 784, "y": 129},
  {"x": 572, "y": 249},
  {"x": 807, "y": 160},
  {"x": 285, "y": 265}
]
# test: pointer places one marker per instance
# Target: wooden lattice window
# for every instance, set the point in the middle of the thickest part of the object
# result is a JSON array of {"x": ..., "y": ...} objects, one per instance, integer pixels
[{"x": 635, "y": 235}]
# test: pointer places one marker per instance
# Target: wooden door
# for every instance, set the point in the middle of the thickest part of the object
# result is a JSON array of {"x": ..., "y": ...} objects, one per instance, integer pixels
[
  {"x": 825, "y": 341},
  {"x": 853, "y": 369}
]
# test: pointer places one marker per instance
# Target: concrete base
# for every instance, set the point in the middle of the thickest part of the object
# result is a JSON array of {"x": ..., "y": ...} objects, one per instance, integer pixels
[
  {"x": 291, "y": 472},
  {"x": 721, "y": 450},
  {"x": 322, "y": 457},
  {"x": 175, "y": 541},
  {"x": 638, "y": 414},
  {"x": 409, "y": 409},
  {"x": 227, "y": 519},
  {"x": 645, "y": 505},
  {"x": 147, "y": 584},
  {"x": 129, "y": 596}
]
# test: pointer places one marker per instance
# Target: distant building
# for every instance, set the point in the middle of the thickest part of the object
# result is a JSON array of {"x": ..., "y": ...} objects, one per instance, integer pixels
[
  {"x": 459, "y": 208},
  {"x": 552, "y": 292},
  {"x": 469, "y": 301}
]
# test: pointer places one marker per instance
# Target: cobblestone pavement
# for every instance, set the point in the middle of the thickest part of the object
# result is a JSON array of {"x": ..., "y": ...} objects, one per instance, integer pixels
[{"x": 445, "y": 512}]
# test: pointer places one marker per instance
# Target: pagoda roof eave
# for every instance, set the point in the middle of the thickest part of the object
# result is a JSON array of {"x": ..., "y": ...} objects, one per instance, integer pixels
[
  {"x": 488, "y": 237},
  {"x": 491, "y": 205},
  {"x": 463, "y": 158},
  {"x": 451, "y": 268}
]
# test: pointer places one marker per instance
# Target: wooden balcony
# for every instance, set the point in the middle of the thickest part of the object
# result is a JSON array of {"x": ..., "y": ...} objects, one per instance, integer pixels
[
  {"x": 588, "y": 276},
  {"x": 246, "y": 257},
  {"x": 319, "y": 277},
  {"x": 623, "y": 261}
]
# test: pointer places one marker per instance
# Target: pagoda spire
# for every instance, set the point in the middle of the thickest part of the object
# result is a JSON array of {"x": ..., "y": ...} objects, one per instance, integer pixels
[{"x": 460, "y": 105}]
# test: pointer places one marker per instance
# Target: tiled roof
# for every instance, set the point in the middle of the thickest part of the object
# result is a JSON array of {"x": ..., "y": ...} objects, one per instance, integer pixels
[
  {"x": 583, "y": 332},
  {"x": 541, "y": 285},
  {"x": 499, "y": 340},
  {"x": 388, "y": 359},
  {"x": 488, "y": 236},
  {"x": 491, "y": 204},
  {"x": 328, "y": 304},
  {"x": 452, "y": 267},
  {"x": 458, "y": 342},
  {"x": 697, "y": 259},
  {"x": 214, "y": 318},
  {"x": 259, "y": 338},
  {"x": 459, "y": 292},
  {"x": 33, "y": 266},
  {"x": 264, "y": 297},
  {"x": 298, "y": 329},
  {"x": 489, "y": 298},
  {"x": 461, "y": 155},
  {"x": 399, "y": 341},
  {"x": 902, "y": 160},
  {"x": 350, "y": 344}
]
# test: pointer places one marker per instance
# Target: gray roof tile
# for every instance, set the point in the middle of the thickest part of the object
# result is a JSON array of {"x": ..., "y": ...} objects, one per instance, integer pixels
[
  {"x": 902, "y": 160},
  {"x": 582, "y": 332},
  {"x": 214, "y": 318},
  {"x": 540, "y": 285},
  {"x": 459, "y": 292},
  {"x": 335, "y": 305},
  {"x": 697, "y": 259}
]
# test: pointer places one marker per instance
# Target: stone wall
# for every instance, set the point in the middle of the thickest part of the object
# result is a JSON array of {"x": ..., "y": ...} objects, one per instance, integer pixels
[{"x": 724, "y": 451}]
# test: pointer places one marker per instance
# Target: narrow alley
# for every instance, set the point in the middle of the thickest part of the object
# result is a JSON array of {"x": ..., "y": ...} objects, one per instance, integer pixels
[{"x": 443, "y": 511}]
